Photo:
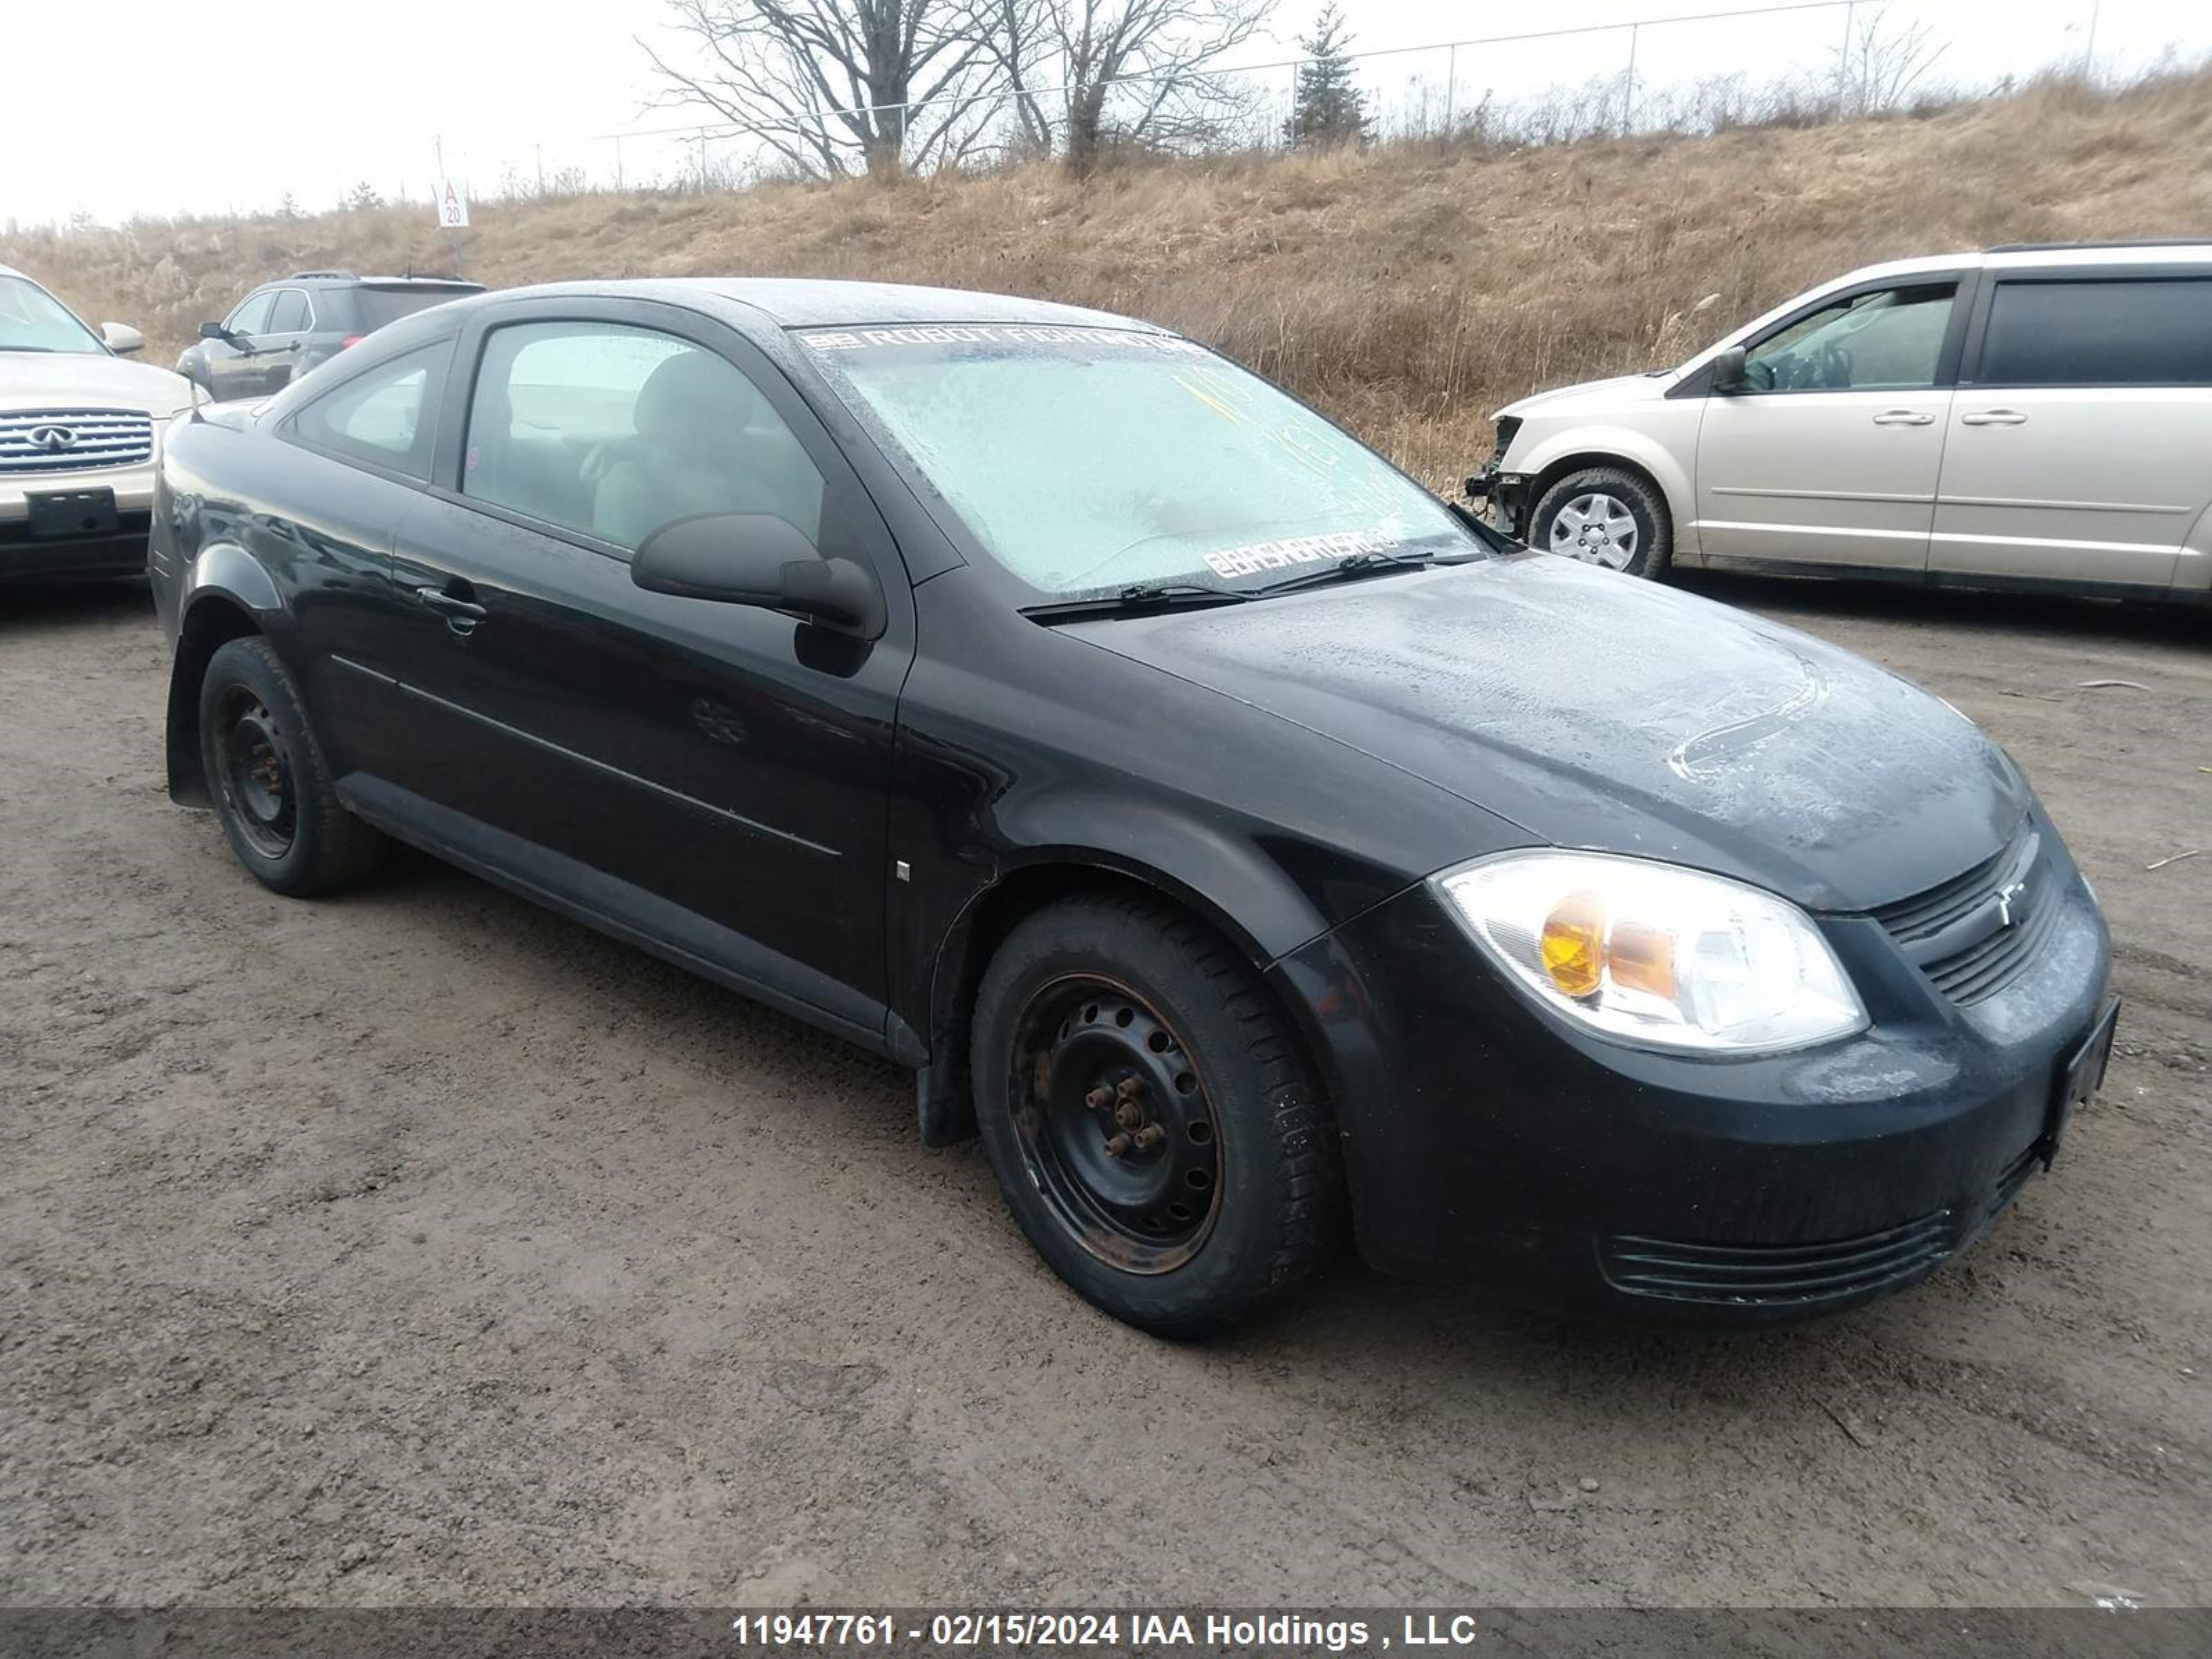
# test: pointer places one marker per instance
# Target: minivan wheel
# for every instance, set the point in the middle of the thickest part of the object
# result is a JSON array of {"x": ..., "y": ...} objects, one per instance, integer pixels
[
  {"x": 1606, "y": 516},
  {"x": 1150, "y": 1115},
  {"x": 271, "y": 785}
]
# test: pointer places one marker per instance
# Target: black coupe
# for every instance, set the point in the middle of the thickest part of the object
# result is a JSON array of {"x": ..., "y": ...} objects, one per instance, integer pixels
[{"x": 1255, "y": 848}]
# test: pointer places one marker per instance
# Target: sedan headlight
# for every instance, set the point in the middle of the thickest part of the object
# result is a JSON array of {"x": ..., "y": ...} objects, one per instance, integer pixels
[{"x": 1655, "y": 955}]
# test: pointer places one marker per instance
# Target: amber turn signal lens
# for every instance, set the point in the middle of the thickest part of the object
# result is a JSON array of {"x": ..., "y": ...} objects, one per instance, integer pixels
[{"x": 1572, "y": 945}]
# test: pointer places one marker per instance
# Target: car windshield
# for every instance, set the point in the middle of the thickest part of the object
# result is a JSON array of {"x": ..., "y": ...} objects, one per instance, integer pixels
[
  {"x": 1087, "y": 460},
  {"x": 32, "y": 319}
]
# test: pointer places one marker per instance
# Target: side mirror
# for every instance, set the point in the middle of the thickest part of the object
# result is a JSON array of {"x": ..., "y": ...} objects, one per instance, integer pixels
[
  {"x": 757, "y": 559},
  {"x": 213, "y": 331},
  {"x": 122, "y": 339},
  {"x": 1728, "y": 374}
]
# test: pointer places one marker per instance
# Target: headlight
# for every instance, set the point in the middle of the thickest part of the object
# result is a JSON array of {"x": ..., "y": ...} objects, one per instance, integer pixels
[{"x": 1656, "y": 956}]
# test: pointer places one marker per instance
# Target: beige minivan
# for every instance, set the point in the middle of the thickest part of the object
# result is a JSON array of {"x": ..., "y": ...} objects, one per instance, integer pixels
[{"x": 2028, "y": 415}]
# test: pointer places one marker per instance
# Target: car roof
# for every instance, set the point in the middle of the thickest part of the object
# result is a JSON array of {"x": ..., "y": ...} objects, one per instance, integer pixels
[
  {"x": 2016, "y": 256},
  {"x": 808, "y": 302}
]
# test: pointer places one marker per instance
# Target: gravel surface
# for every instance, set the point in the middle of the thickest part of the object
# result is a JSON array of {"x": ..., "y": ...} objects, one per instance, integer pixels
[{"x": 418, "y": 1246}]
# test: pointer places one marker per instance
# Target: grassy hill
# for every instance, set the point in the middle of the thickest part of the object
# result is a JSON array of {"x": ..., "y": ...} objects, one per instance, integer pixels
[{"x": 1406, "y": 288}]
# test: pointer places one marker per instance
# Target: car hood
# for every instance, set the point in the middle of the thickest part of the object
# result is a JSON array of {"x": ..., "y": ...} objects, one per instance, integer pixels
[
  {"x": 1621, "y": 388},
  {"x": 1596, "y": 711},
  {"x": 85, "y": 380}
]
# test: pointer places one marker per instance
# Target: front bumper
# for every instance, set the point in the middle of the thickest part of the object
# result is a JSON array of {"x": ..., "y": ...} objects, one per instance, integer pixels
[
  {"x": 1507, "y": 493},
  {"x": 118, "y": 552},
  {"x": 1488, "y": 1144}
]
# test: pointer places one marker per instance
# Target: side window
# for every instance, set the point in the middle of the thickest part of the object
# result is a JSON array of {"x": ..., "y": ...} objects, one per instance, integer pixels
[
  {"x": 252, "y": 317},
  {"x": 1889, "y": 340},
  {"x": 381, "y": 417},
  {"x": 614, "y": 431},
  {"x": 2146, "y": 333},
  {"x": 290, "y": 315}
]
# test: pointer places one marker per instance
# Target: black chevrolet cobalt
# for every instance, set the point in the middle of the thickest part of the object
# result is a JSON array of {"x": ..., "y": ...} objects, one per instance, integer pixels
[{"x": 1258, "y": 852}]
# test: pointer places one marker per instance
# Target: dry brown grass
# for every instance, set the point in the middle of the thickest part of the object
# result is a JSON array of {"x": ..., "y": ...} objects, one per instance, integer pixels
[{"x": 1408, "y": 289}]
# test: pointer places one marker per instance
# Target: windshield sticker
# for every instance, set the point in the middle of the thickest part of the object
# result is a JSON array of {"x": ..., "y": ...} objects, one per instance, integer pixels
[
  {"x": 1255, "y": 558},
  {"x": 995, "y": 334}
]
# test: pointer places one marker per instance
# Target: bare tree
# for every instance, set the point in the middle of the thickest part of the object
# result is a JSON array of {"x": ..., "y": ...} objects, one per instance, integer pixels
[
  {"x": 1081, "y": 72},
  {"x": 824, "y": 85},
  {"x": 1877, "y": 65}
]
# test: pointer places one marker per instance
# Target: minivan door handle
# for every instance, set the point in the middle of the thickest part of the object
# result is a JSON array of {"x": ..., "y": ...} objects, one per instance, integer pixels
[
  {"x": 1993, "y": 418},
  {"x": 1904, "y": 417}
]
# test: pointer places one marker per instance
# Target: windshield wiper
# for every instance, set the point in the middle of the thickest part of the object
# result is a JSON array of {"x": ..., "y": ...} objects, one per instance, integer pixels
[
  {"x": 1359, "y": 564},
  {"x": 1137, "y": 596},
  {"x": 23, "y": 348}
]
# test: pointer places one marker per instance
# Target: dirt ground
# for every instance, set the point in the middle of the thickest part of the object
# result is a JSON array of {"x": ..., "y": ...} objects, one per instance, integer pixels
[{"x": 419, "y": 1246}]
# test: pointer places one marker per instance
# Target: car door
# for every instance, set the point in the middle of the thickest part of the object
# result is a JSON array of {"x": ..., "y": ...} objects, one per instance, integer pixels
[
  {"x": 2081, "y": 447},
  {"x": 282, "y": 342},
  {"x": 709, "y": 777},
  {"x": 232, "y": 370},
  {"x": 1830, "y": 453}
]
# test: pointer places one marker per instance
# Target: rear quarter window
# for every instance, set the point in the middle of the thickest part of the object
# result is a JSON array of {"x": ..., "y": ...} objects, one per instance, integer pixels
[{"x": 382, "y": 416}]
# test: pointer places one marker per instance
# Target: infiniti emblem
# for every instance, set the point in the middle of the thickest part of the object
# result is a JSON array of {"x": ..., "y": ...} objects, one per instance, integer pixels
[
  {"x": 2005, "y": 897},
  {"x": 53, "y": 439}
]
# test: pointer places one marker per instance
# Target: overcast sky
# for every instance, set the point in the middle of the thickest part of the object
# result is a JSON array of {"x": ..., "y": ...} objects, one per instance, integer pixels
[{"x": 161, "y": 106}]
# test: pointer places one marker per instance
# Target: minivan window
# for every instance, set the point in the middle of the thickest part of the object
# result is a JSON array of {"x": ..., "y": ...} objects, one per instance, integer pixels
[
  {"x": 252, "y": 317},
  {"x": 380, "y": 417},
  {"x": 290, "y": 315},
  {"x": 2146, "y": 332},
  {"x": 1086, "y": 459},
  {"x": 1889, "y": 339},
  {"x": 614, "y": 431}
]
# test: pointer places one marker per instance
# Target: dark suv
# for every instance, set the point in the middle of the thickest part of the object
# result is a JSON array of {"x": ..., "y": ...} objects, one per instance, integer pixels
[{"x": 284, "y": 328}]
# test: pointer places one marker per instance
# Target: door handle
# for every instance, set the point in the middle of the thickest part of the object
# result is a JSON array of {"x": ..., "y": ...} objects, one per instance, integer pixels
[
  {"x": 1994, "y": 418},
  {"x": 1904, "y": 417},
  {"x": 451, "y": 606}
]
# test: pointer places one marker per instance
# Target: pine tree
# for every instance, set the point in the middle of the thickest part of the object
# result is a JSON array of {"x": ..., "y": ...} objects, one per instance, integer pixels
[{"x": 1328, "y": 107}]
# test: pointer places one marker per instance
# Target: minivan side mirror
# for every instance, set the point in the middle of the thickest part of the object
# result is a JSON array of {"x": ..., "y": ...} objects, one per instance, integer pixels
[
  {"x": 758, "y": 559},
  {"x": 1728, "y": 374},
  {"x": 213, "y": 331},
  {"x": 121, "y": 338}
]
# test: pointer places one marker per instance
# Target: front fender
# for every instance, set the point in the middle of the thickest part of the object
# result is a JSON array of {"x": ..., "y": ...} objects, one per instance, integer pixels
[
  {"x": 1070, "y": 840},
  {"x": 1667, "y": 465}
]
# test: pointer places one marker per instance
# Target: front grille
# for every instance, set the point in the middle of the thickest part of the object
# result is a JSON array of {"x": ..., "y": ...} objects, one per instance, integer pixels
[
  {"x": 1973, "y": 935},
  {"x": 1776, "y": 1275},
  {"x": 74, "y": 440}
]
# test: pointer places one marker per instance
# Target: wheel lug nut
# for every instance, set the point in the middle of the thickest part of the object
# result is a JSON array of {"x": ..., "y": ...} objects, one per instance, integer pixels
[
  {"x": 1099, "y": 1099},
  {"x": 1128, "y": 1114},
  {"x": 1117, "y": 1145},
  {"x": 1149, "y": 1137},
  {"x": 1129, "y": 1087}
]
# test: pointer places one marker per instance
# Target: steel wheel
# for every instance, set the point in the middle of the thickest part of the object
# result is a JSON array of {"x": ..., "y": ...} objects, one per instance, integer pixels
[
  {"x": 254, "y": 772},
  {"x": 1597, "y": 529},
  {"x": 1112, "y": 1121}
]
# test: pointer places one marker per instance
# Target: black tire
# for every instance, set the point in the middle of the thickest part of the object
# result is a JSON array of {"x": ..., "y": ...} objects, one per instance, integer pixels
[
  {"x": 269, "y": 781},
  {"x": 1654, "y": 545},
  {"x": 1217, "y": 1070}
]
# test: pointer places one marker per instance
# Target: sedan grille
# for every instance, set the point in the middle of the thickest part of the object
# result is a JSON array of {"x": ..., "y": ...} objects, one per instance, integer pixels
[
  {"x": 74, "y": 440},
  {"x": 1972, "y": 935},
  {"x": 1777, "y": 1275}
]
